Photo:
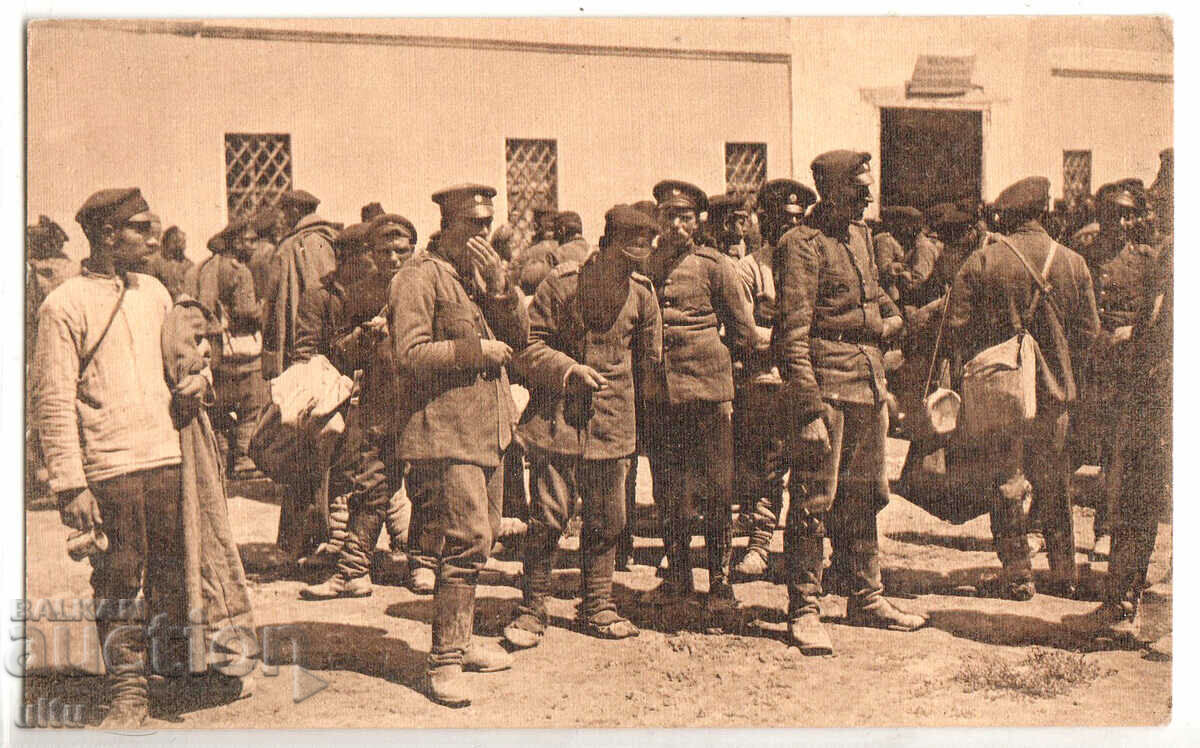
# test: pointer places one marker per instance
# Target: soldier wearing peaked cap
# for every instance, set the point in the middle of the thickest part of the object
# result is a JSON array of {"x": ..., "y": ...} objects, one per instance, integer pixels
[
  {"x": 832, "y": 317},
  {"x": 690, "y": 393},
  {"x": 591, "y": 327},
  {"x": 759, "y": 460},
  {"x": 991, "y": 301},
  {"x": 456, "y": 322},
  {"x": 726, "y": 224}
]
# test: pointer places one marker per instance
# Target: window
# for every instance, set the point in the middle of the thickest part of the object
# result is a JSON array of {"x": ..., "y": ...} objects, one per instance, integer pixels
[
  {"x": 258, "y": 169},
  {"x": 1077, "y": 175},
  {"x": 745, "y": 167},
  {"x": 532, "y": 181}
]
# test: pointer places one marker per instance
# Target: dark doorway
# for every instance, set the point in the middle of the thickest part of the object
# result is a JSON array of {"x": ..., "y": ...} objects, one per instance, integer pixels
[{"x": 930, "y": 156}]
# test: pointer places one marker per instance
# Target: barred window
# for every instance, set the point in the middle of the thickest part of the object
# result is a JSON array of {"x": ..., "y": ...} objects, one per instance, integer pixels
[
  {"x": 258, "y": 170},
  {"x": 745, "y": 167},
  {"x": 532, "y": 181},
  {"x": 1077, "y": 175}
]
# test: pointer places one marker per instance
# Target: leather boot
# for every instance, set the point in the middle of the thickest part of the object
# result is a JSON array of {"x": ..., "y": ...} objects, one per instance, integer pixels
[
  {"x": 867, "y": 606},
  {"x": 124, "y": 649},
  {"x": 805, "y": 557},
  {"x": 1015, "y": 580},
  {"x": 678, "y": 585},
  {"x": 1130, "y": 559},
  {"x": 1060, "y": 552},
  {"x": 529, "y": 625},
  {"x": 453, "y": 619},
  {"x": 338, "y": 585},
  {"x": 721, "y": 613}
]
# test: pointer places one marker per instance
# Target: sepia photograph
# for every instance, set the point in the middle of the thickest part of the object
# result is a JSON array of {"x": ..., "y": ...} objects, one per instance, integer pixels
[{"x": 595, "y": 372}]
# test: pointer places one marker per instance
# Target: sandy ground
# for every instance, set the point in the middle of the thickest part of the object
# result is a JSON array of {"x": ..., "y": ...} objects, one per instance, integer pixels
[{"x": 371, "y": 651}]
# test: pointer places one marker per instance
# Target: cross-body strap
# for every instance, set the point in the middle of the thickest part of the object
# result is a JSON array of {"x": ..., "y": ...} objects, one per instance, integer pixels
[
  {"x": 1042, "y": 279},
  {"x": 86, "y": 360}
]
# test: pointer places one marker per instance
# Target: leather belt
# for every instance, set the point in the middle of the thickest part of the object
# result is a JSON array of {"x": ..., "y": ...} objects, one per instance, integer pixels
[{"x": 857, "y": 336}]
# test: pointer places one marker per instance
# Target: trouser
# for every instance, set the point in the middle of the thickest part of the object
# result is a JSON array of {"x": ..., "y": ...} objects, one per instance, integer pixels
[
  {"x": 516, "y": 498},
  {"x": 240, "y": 395},
  {"x": 555, "y": 481},
  {"x": 368, "y": 478},
  {"x": 140, "y": 514},
  {"x": 300, "y": 528},
  {"x": 691, "y": 460},
  {"x": 759, "y": 461},
  {"x": 459, "y": 506},
  {"x": 1041, "y": 457},
  {"x": 625, "y": 544},
  {"x": 840, "y": 491}
]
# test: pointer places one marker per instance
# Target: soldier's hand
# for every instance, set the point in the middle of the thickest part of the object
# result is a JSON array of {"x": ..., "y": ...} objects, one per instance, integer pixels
[
  {"x": 583, "y": 379},
  {"x": 192, "y": 387},
  {"x": 488, "y": 264},
  {"x": 816, "y": 433},
  {"x": 376, "y": 327},
  {"x": 496, "y": 352},
  {"x": 79, "y": 512}
]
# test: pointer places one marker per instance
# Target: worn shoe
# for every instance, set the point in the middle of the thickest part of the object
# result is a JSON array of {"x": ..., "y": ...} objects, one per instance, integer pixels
[
  {"x": 337, "y": 586},
  {"x": 421, "y": 580},
  {"x": 525, "y": 631},
  {"x": 485, "y": 658},
  {"x": 1001, "y": 587},
  {"x": 753, "y": 564},
  {"x": 722, "y": 613},
  {"x": 126, "y": 714},
  {"x": 608, "y": 624},
  {"x": 878, "y": 612},
  {"x": 446, "y": 685},
  {"x": 808, "y": 633}
]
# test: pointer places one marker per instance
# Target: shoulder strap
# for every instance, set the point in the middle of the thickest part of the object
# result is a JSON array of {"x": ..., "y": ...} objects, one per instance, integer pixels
[
  {"x": 87, "y": 358},
  {"x": 1041, "y": 280}
]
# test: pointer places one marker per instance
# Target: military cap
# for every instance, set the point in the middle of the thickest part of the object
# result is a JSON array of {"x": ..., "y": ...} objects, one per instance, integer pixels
[
  {"x": 949, "y": 214},
  {"x": 300, "y": 198},
  {"x": 832, "y": 166},
  {"x": 353, "y": 238},
  {"x": 473, "y": 200},
  {"x": 114, "y": 207},
  {"x": 568, "y": 220},
  {"x": 649, "y": 207},
  {"x": 1027, "y": 194},
  {"x": 726, "y": 204},
  {"x": 786, "y": 195},
  {"x": 371, "y": 211},
  {"x": 626, "y": 218},
  {"x": 901, "y": 215},
  {"x": 675, "y": 193},
  {"x": 222, "y": 241},
  {"x": 387, "y": 223},
  {"x": 1118, "y": 194}
]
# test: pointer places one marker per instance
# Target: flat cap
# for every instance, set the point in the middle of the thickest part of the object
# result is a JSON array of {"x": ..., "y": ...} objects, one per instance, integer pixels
[
  {"x": 726, "y": 204},
  {"x": 474, "y": 200},
  {"x": 568, "y": 220},
  {"x": 114, "y": 207},
  {"x": 388, "y": 223},
  {"x": 222, "y": 241},
  {"x": 833, "y": 166},
  {"x": 1027, "y": 194},
  {"x": 786, "y": 195},
  {"x": 675, "y": 193},
  {"x": 353, "y": 238},
  {"x": 949, "y": 214},
  {"x": 901, "y": 215},
  {"x": 370, "y": 211},
  {"x": 300, "y": 198}
]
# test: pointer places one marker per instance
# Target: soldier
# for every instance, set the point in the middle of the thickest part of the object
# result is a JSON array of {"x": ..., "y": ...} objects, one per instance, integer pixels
[
  {"x": 591, "y": 326},
  {"x": 539, "y": 257},
  {"x": 568, "y": 231},
  {"x": 103, "y": 410},
  {"x": 224, "y": 285},
  {"x": 455, "y": 322},
  {"x": 727, "y": 219},
  {"x": 393, "y": 241},
  {"x": 689, "y": 438},
  {"x": 904, "y": 255},
  {"x": 170, "y": 265},
  {"x": 832, "y": 316},
  {"x": 991, "y": 296},
  {"x": 759, "y": 460},
  {"x": 262, "y": 252}
]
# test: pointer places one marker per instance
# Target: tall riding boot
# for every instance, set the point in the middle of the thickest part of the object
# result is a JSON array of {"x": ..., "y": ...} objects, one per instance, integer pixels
[
  {"x": 1131, "y": 551},
  {"x": 1015, "y": 581},
  {"x": 720, "y": 605},
  {"x": 867, "y": 606},
  {"x": 804, "y": 556},
  {"x": 1060, "y": 552},
  {"x": 124, "y": 650},
  {"x": 529, "y": 625},
  {"x": 453, "y": 619}
]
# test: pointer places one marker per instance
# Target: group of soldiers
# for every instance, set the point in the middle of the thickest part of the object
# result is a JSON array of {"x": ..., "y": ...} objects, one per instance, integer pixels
[{"x": 741, "y": 346}]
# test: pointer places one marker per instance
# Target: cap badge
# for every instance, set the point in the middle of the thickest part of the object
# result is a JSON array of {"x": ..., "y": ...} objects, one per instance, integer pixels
[
  {"x": 478, "y": 198},
  {"x": 675, "y": 191}
]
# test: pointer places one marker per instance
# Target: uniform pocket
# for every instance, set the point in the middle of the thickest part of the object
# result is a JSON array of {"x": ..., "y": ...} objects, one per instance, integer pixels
[{"x": 454, "y": 320}]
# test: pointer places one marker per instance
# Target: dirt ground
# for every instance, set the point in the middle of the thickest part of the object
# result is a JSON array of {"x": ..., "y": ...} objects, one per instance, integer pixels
[{"x": 371, "y": 651}]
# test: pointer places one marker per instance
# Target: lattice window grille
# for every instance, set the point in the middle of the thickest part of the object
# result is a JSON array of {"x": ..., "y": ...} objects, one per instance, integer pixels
[
  {"x": 532, "y": 181},
  {"x": 258, "y": 170},
  {"x": 745, "y": 167},
  {"x": 1077, "y": 175}
]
